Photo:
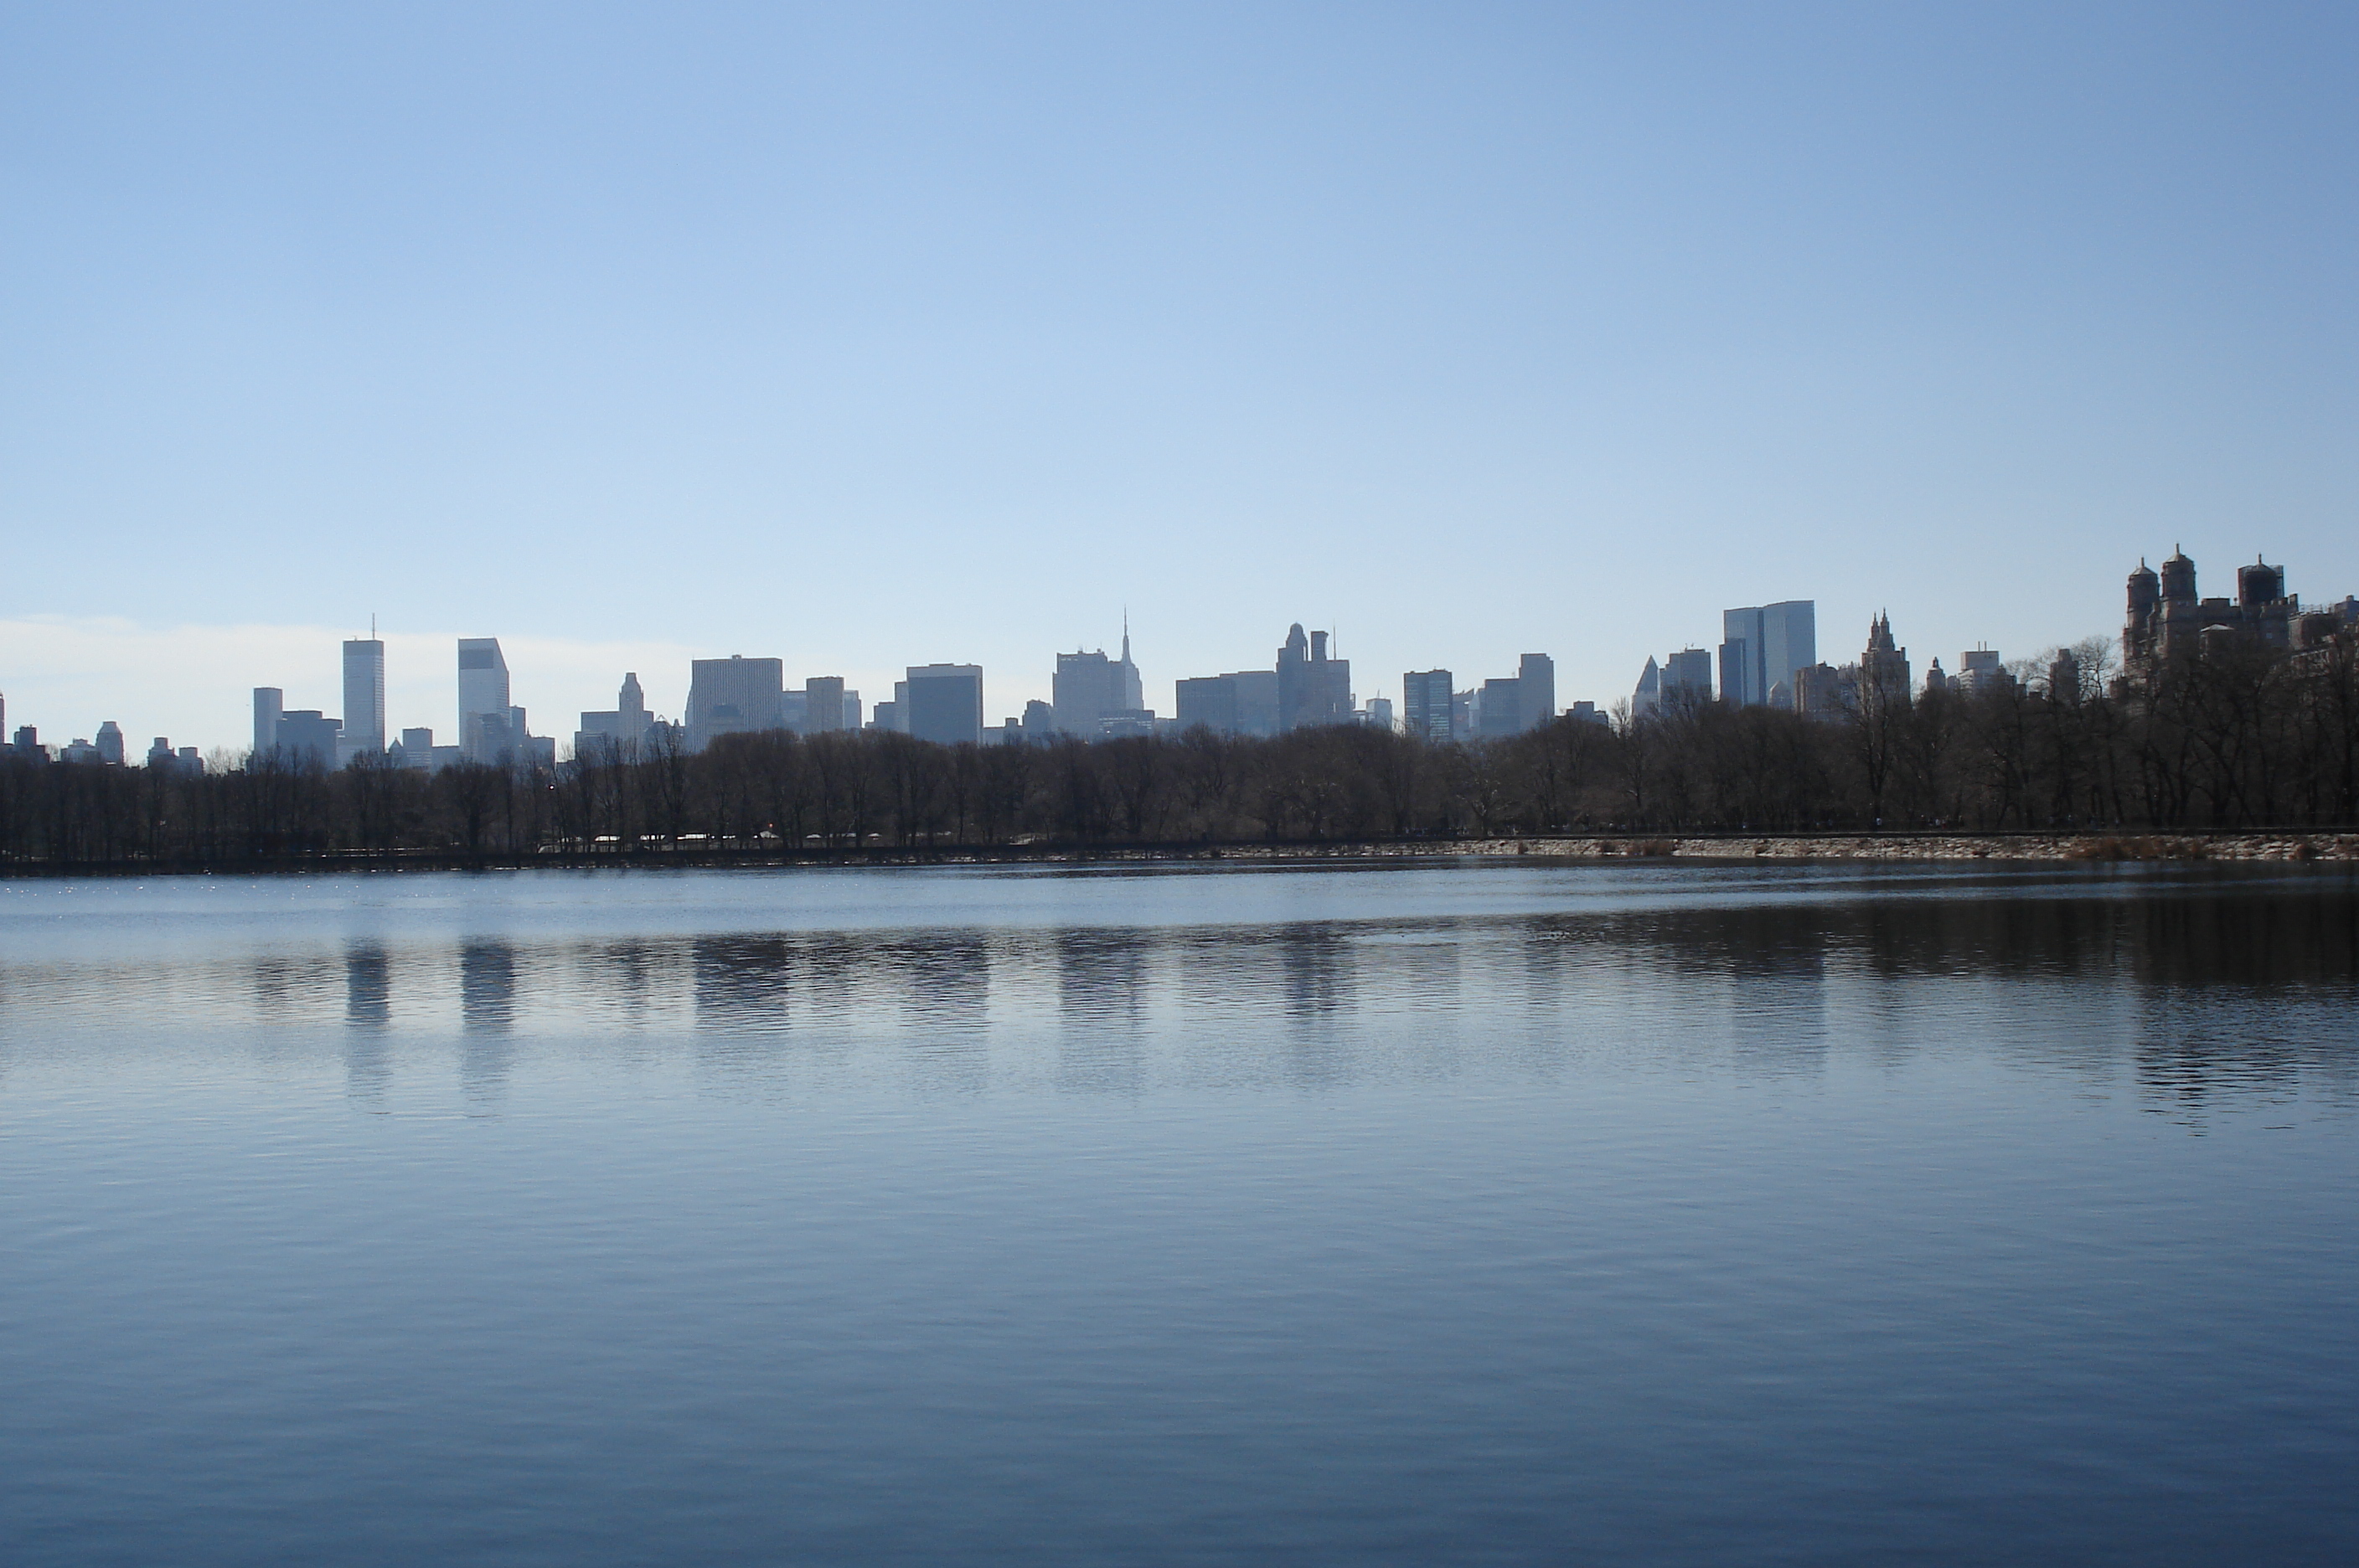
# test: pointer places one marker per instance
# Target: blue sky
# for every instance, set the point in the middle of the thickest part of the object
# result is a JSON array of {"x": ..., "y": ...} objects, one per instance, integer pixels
[{"x": 869, "y": 336}]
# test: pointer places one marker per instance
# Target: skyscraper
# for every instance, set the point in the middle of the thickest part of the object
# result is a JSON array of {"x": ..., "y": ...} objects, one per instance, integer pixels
[
  {"x": 944, "y": 704},
  {"x": 617, "y": 735},
  {"x": 1312, "y": 689},
  {"x": 1762, "y": 647},
  {"x": 1883, "y": 668},
  {"x": 1086, "y": 688},
  {"x": 483, "y": 715},
  {"x": 1499, "y": 708},
  {"x": 1689, "y": 670},
  {"x": 1092, "y": 693},
  {"x": 823, "y": 706},
  {"x": 269, "y": 703},
  {"x": 1536, "y": 688},
  {"x": 306, "y": 738},
  {"x": 1425, "y": 700},
  {"x": 363, "y": 699},
  {"x": 733, "y": 696}
]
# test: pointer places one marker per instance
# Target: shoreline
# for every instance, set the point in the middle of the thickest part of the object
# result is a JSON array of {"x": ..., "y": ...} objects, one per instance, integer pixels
[{"x": 2320, "y": 846}]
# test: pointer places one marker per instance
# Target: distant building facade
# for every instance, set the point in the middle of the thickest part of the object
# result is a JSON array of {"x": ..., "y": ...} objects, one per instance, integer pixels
[
  {"x": 269, "y": 701},
  {"x": 733, "y": 696},
  {"x": 363, "y": 729},
  {"x": 1428, "y": 705},
  {"x": 616, "y": 734},
  {"x": 1094, "y": 697},
  {"x": 944, "y": 704},
  {"x": 824, "y": 710},
  {"x": 1312, "y": 689},
  {"x": 1883, "y": 680},
  {"x": 484, "y": 720},
  {"x": 2168, "y": 616},
  {"x": 1242, "y": 703},
  {"x": 1761, "y": 647}
]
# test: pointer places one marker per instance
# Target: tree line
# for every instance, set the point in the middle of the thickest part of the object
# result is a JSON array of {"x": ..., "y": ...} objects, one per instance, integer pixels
[{"x": 2238, "y": 737}]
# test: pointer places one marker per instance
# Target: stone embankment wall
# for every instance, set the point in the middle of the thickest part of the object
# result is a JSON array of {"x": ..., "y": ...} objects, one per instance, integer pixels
[{"x": 1878, "y": 846}]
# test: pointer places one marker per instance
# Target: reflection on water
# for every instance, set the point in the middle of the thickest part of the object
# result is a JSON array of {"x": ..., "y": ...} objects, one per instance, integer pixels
[
  {"x": 368, "y": 1011},
  {"x": 487, "y": 1008},
  {"x": 2197, "y": 989},
  {"x": 1681, "y": 1216}
]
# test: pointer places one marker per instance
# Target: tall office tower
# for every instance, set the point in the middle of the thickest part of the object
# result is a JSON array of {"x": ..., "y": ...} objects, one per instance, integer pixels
[
  {"x": 1762, "y": 647},
  {"x": 482, "y": 700},
  {"x": 363, "y": 699},
  {"x": 1086, "y": 690},
  {"x": 1789, "y": 641},
  {"x": 269, "y": 703},
  {"x": 1536, "y": 684},
  {"x": 1312, "y": 689},
  {"x": 1425, "y": 698},
  {"x": 1206, "y": 702},
  {"x": 823, "y": 704},
  {"x": 1649, "y": 693},
  {"x": 733, "y": 696},
  {"x": 110, "y": 743},
  {"x": 1735, "y": 664},
  {"x": 617, "y": 733},
  {"x": 1689, "y": 671},
  {"x": 1293, "y": 678},
  {"x": 1133, "y": 692},
  {"x": 1380, "y": 713},
  {"x": 1242, "y": 703},
  {"x": 1499, "y": 708},
  {"x": 944, "y": 704},
  {"x": 306, "y": 738},
  {"x": 1256, "y": 700}
]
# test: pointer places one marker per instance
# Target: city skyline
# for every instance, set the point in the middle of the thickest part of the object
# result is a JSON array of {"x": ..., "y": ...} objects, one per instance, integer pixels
[
  {"x": 1095, "y": 696},
  {"x": 946, "y": 316}
]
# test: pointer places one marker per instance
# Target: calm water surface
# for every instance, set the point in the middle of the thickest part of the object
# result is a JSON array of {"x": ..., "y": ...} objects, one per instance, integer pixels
[{"x": 1458, "y": 1214}]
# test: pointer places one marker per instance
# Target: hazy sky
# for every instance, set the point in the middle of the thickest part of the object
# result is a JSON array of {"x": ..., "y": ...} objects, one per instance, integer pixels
[{"x": 871, "y": 335}]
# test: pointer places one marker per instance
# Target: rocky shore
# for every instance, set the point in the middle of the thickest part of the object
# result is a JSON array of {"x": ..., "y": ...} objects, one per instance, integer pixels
[{"x": 2239, "y": 846}]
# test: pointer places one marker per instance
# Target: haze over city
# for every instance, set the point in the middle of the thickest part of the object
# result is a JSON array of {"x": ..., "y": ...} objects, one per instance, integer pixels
[{"x": 947, "y": 334}]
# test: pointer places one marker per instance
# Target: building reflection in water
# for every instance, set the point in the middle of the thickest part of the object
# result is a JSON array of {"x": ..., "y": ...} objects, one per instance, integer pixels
[
  {"x": 944, "y": 979},
  {"x": 369, "y": 1015},
  {"x": 2244, "y": 988},
  {"x": 1101, "y": 979},
  {"x": 487, "y": 985},
  {"x": 740, "y": 983}
]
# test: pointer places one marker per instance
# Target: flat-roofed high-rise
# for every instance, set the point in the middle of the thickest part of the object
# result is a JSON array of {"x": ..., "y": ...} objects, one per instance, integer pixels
[
  {"x": 944, "y": 704},
  {"x": 483, "y": 717},
  {"x": 1426, "y": 700},
  {"x": 363, "y": 699},
  {"x": 733, "y": 696}
]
